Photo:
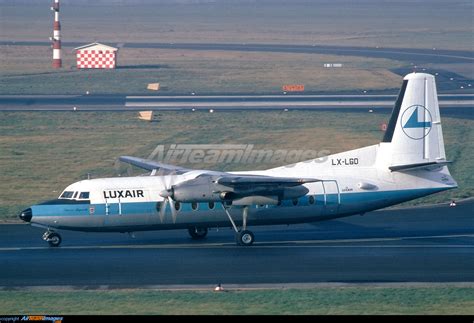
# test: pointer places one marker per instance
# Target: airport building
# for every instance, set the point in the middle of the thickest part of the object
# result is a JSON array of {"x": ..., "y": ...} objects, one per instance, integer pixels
[{"x": 96, "y": 55}]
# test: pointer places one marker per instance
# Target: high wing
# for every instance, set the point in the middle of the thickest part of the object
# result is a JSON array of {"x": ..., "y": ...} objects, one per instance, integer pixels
[
  {"x": 212, "y": 186},
  {"x": 152, "y": 165},
  {"x": 238, "y": 189},
  {"x": 237, "y": 181}
]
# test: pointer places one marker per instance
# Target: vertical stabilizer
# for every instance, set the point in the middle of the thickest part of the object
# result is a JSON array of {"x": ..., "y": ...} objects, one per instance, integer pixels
[{"x": 414, "y": 131}]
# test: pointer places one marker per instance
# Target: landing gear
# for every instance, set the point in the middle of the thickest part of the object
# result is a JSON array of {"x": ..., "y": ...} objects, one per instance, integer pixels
[
  {"x": 243, "y": 237},
  {"x": 53, "y": 238},
  {"x": 197, "y": 233}
]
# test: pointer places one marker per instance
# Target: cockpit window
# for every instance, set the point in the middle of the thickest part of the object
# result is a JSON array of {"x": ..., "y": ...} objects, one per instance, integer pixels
[
  {"x": 75, "y": 195},
  {"x": 84, "y": 195},
  {"x": 67, "y": 195}
]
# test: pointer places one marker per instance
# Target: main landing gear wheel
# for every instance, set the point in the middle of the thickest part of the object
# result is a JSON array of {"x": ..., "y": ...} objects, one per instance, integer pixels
[
  {"x": 245, "y": 238},
  {"x": 53, "y": 239},
  {"x": 197, "y": 233}
]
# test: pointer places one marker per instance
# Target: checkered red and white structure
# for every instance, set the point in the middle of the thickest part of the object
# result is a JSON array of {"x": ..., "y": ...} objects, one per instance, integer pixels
[{"x": 96, "y": 55}]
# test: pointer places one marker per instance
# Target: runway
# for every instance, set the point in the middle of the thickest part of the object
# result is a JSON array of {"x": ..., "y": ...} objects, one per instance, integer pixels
[
  {"x": 447, "y": 81},
  {"x": 417, "y": 56},
  {"x": 421, "y": 244},
  {"x": 216, "y": 102}
]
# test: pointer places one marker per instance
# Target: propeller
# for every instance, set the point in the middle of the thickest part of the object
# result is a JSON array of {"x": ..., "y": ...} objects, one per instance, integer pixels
[{"x": 167, "y": 195}]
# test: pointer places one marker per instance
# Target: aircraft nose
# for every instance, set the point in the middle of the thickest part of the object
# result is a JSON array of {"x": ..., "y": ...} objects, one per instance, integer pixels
[{"x": 26, "y": 215}]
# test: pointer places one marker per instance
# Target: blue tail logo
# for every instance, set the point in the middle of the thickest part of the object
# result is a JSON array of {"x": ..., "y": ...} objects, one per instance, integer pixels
[{"x": 416, "y": 122}]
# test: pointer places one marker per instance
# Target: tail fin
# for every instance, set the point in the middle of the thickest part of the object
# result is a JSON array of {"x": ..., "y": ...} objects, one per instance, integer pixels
[{"x": 414, "y": 130}]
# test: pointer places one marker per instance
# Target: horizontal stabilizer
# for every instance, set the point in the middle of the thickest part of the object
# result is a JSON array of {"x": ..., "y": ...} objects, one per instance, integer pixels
[{"x": 428, "y": 165}]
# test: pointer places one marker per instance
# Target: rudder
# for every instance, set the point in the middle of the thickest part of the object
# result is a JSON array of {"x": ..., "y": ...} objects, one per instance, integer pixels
[{"x": 414, "y": 130}]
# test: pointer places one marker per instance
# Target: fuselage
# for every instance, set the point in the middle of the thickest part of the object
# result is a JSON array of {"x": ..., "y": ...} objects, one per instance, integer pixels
[{"x": 349, "y": 183}]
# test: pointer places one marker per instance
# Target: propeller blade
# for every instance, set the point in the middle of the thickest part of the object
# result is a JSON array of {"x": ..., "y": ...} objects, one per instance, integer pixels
[
  {"x": 163, "y": 210},
  {"x": 173, "y": 209},
  {"x": 167, "y": 182},
  {"x": 161, "y": 176}
]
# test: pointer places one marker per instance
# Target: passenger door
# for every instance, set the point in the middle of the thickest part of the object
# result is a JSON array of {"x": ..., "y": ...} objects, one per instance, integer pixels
[{"x": 332, "y": 197}]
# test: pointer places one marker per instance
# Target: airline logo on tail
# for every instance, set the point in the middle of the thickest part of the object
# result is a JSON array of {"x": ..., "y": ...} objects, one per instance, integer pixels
[{"x": 416, "y": 122}]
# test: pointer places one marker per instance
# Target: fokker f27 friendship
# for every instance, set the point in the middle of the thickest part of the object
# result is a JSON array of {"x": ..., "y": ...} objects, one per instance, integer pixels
[{"x": 409, "y": 163}]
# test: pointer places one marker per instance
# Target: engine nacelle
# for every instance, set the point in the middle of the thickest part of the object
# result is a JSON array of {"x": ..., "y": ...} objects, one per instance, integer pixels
[
  {"x": 290, "y": 193},
  {"x": 256, "y": 200},
  {"x": 200, "y": 189}
]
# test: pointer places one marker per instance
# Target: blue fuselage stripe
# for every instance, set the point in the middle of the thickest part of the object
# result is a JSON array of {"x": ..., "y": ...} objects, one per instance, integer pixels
[{"x": 351, "y": 202}]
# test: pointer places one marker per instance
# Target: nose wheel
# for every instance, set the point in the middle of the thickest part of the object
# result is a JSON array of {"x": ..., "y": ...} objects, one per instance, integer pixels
[{"x": 52, "y": 238}]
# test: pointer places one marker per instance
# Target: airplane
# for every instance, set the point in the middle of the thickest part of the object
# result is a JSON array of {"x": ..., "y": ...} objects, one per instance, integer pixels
[{"x": 409, "y": 163}]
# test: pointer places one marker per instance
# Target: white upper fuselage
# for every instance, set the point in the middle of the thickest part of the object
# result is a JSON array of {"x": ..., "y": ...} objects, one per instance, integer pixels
[{"x": 351, "y": 183}]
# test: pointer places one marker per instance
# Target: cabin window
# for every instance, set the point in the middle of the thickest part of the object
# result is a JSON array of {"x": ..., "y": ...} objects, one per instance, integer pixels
[
  {"x": 67, "y": 195},
  {"x": 194, "y": 206},
  {"x": 294, "y": 201},
  {"x": 75, "y": 195},
  {"x": 177, "y": 206},
  {"x": 84, "y": 195},
  {"x": 158, "y": 206},
  {"x": 211, "y": 205},
  {"x": 311, "y": 199}
]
